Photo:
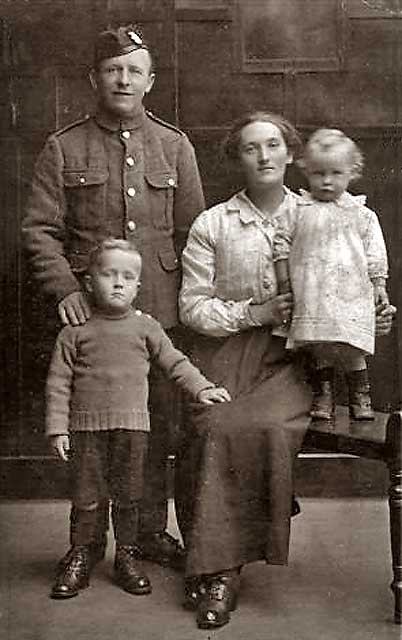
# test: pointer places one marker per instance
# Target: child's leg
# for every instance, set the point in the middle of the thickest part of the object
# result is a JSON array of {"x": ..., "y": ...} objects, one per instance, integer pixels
[
  {"x": 323, "y": 406},
  {"x": 127, "y": 469},
  {"x": 88, "y": 462},
  {"x": 355, "y": 367}
]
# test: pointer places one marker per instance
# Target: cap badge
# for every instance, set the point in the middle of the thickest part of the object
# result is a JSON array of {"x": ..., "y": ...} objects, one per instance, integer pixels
[{"x": 134, "y": 37}]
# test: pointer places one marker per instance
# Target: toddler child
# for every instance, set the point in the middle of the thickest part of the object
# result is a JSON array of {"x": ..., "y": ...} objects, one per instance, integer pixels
[
  {"x": 330, "y": 252},
  {"x": 97, "y": 415}
]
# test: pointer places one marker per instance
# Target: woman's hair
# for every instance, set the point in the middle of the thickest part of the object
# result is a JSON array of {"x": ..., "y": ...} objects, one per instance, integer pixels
[
  {"x": 323, "y": 140},
  {"x": 289, "y": 133},
  {"x": 108, "y": 245}
]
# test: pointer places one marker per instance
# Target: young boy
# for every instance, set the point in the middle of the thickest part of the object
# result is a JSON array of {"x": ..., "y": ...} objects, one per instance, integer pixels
[{"x": 97, "y": 415}]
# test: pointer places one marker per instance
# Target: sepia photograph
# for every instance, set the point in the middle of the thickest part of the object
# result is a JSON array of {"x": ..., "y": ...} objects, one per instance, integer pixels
[{"x": 201, "y": 354}]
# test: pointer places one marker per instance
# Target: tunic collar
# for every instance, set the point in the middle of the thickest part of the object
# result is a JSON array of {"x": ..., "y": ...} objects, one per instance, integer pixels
[{"x": 108, "y": 121}]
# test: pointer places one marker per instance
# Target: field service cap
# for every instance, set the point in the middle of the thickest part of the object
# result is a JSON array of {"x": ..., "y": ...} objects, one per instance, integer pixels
[{"x": 117, "y": 42}]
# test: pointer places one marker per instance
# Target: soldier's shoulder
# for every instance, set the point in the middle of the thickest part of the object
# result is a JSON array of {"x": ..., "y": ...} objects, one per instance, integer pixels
[
  {"x": 167, "y": 126},
  {"x": 73, "y": 126}
]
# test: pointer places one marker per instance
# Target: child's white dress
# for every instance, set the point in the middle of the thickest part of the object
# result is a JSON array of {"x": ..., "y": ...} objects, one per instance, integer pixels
[{"x": 335, "y": 249}]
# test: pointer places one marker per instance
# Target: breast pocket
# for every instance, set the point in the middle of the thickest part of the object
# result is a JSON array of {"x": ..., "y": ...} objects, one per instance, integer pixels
[
  {"x": 161, "y": 187},
  {"x": 86, "y": 198}
]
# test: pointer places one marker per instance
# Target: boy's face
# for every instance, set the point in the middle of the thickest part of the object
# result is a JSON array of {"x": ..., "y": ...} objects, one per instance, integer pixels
[
  {"x": 329, "y": 173},
  {"x": 114, "y": 280}
]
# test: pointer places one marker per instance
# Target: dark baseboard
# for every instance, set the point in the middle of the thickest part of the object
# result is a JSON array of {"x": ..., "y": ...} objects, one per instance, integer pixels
[{"x": 316, "y": 476}]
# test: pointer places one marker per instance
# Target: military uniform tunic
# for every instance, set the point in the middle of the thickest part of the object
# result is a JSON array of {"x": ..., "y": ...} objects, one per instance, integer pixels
[{"x": 102, "y": 177}]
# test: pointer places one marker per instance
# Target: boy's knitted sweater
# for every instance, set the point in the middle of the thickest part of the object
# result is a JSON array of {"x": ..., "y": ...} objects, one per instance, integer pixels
[{"x": 98, "y": 375}]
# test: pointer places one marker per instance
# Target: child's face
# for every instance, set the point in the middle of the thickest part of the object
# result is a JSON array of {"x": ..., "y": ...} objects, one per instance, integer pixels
[
  {"x": 114, "y": 280},
  {"x": 329, "y": 173}
]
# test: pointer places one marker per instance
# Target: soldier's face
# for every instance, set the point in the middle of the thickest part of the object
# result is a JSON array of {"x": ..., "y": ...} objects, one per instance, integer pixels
[{"x": 122, "y": 82}]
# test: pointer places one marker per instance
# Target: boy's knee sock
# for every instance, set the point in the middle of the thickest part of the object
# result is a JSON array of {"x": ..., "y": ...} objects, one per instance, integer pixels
[
  {"x": 102, "y": 523},
  {"x": 125, "y": 523}
]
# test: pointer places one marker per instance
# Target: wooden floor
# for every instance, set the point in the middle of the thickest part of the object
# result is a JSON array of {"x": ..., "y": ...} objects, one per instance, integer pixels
[{"x": 336, "y": 586}]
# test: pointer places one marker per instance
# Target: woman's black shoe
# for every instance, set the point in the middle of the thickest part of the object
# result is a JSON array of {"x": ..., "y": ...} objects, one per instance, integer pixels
[
  {"x": 195, "y": 588},
  {"x": 220, "y": 599}
]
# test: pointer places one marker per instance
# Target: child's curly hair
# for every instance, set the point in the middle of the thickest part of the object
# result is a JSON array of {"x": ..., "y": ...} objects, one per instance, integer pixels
[{"x": 327, "y": 139}]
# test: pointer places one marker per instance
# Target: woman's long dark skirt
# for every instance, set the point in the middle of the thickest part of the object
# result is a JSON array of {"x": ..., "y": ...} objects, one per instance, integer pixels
[{"x": 234, "y": 474}]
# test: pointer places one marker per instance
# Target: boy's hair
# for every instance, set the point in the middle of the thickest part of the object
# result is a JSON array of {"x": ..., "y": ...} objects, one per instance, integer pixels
[
  {"x": 290, "y": 135},
  {"x": 323, "y": 140},
  {"x": 108, "y": 245}
]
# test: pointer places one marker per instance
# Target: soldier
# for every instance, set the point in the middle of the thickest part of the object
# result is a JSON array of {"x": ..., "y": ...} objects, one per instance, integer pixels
[{"x": 120, "y": 173}]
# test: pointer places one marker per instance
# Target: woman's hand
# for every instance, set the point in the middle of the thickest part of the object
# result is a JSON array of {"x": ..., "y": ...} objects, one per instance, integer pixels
[
  {"x": 275, "y": 312},
  {"x": 384, "y": 315},
  {"x": 61, "y": 445},
  {"x": 214, "y": 394}
]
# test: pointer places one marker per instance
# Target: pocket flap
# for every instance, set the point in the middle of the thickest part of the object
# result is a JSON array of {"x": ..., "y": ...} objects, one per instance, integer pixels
[
  {"x": 168, "y": 259},
  {"x": 84, "y": 178},
  {"x": 161, "y": 180}
]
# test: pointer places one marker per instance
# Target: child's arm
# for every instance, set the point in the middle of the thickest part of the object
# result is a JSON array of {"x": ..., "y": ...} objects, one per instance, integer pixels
[
  {"x": 58, "y": 392},
  {"x": 377, "y": 261},
  {"x": 178, "y": 367},
  {"x": 283, "y": 276}
]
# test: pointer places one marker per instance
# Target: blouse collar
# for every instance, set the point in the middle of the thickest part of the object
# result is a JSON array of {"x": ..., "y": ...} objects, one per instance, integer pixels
[{"x": 241, "y": 204}]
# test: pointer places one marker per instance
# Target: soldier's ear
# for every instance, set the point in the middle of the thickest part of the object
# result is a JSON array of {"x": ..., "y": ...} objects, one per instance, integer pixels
[
  {"x": 88, "y": 283},
  {"x": 93, "y": 80}
]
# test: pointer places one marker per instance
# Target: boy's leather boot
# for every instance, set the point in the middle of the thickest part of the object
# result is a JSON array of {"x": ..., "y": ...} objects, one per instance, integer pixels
[
  {"x": 74, "y": 575},
  {"x": 97, "y": 552},
  {"x": 359, "y": 395},
  {"x": 127, "y": 574},
  {"x": 323, "y": 406}
]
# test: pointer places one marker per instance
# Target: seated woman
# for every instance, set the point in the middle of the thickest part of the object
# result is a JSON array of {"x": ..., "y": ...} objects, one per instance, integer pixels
[{"x": 234, "y": 471}]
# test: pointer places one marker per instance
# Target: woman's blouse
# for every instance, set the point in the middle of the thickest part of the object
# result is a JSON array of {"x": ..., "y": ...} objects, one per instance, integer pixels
[{"x": 227, "y": 264}]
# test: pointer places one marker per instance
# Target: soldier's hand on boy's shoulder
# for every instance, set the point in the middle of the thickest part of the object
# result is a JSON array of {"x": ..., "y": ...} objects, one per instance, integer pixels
[
  {"x": 74, "y": 309},
  {"x": 61, "y": 445},
  {"x": 214, "y": 394}
]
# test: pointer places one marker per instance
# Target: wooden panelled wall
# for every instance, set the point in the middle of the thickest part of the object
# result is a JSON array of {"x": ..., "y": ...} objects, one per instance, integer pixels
[{"x": 319, "y": 62}]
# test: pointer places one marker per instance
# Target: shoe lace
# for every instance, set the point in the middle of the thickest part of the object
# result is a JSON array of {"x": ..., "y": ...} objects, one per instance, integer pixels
[
  {"x": 132, "y": 551},
  {"x": 217, "y": 590}
]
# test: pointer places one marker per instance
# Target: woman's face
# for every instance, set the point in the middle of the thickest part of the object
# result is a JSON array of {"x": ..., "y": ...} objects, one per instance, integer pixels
[{"x": 263, "y": 155}]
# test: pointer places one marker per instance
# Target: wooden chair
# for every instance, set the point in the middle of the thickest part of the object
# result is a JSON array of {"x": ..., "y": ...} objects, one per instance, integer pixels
[{"x": 380, "y": 440}]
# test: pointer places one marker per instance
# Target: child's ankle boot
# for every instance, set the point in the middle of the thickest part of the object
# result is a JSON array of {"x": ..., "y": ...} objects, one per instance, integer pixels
[
  {"x": 323, "y": 407},
  {"x": 74, "y": 575},
  {"x": 127, "y": 573},
  {"x": 359, "y": 395}
]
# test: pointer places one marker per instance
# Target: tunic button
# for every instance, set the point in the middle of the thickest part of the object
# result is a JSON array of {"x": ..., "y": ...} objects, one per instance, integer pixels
[
  {"x": 126, "y": 135},
  {"x": 130, "y": 161},
  {"x": 266, "y": 284},
  {"x": 131, "y": 225},
  {"x": 131, "y": 192},
  {"x": 171, "y": 182},
  {"x": 82, "y": 180}
]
